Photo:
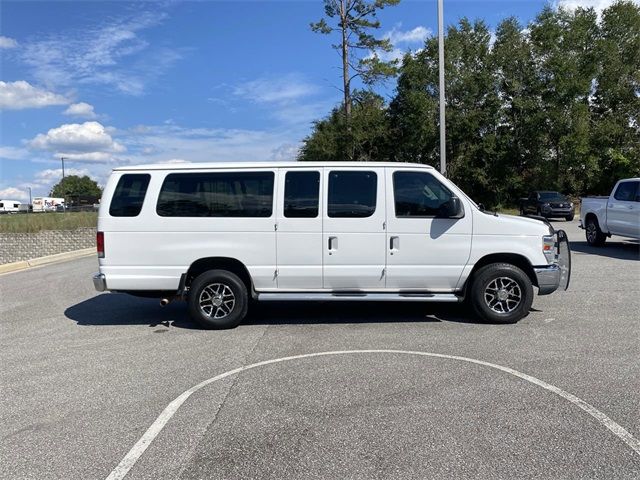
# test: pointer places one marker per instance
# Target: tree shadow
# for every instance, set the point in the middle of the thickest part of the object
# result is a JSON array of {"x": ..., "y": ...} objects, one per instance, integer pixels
[
  {"x": 121, "y": 309},
  {"x": 625, "y": 250}
]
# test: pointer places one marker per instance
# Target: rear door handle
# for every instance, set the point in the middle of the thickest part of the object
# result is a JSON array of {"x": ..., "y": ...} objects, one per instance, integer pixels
[{"x": 394, "y": 244}]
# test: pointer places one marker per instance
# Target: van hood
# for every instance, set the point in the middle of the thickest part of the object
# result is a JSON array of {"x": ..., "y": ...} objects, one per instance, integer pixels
[{"x": 493, "y": 224}]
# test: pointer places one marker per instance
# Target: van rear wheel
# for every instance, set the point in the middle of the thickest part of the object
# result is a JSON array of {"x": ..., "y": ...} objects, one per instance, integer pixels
[
  {"x": 501, "y": 293},
  {"x": 218, "y": 299}
]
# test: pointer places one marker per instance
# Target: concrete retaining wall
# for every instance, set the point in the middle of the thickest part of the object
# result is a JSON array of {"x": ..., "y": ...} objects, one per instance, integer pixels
[{"x": 25, "y": 246}]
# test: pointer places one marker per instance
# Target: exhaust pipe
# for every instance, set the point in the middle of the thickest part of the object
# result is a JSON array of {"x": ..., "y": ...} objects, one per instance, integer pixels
[{"x": 165, "y": 301}]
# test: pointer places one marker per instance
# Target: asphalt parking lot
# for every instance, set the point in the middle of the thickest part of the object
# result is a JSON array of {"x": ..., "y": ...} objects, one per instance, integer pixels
[{"x": 84, "y": 375}]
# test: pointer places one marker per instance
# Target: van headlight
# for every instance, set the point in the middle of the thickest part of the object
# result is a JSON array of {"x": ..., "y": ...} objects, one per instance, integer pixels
[{"x": 549, "y": 248}]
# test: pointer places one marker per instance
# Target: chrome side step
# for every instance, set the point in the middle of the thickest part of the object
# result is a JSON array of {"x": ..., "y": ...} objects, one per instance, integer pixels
[{"x": 360, "y": 297}]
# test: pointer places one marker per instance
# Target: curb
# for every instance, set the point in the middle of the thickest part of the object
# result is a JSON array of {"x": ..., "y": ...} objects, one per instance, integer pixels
[{"x": 49, "y": 259}]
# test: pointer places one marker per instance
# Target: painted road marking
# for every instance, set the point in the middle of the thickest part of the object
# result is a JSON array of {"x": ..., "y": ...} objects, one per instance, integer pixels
[{"x": 156, "y": 427}]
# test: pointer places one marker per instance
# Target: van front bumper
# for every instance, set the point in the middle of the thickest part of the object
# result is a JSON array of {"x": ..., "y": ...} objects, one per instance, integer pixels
[
  {"x": 99, "y": 282},
  {"x": 548, "y": 278}
]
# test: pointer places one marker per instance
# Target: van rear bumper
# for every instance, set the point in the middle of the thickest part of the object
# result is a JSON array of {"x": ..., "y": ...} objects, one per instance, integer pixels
[
  {"x": 548, "y": 279},
  {"x": 99, "y": 282}
]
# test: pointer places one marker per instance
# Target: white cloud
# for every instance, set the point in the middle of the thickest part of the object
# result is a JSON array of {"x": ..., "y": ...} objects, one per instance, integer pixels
[
  {"x": 401, "y": 40},
  {"x": 86, "y": 142},
  {"x": 281, "y": 89},
  {"x": 20, "y": 95},
  {"x": 416, "y": 35},
  {"x": 13, "y": 153},
  {"x": 51, "y": 176},
  {"x": 81, "y": 109},
  {"x": 171, "y": 142},
  {"x": 597, "y": 5},
  {"x": 112, "y": 53},
  {"x": 6, "y": 42},
  {"x": 12, "y": 193}
]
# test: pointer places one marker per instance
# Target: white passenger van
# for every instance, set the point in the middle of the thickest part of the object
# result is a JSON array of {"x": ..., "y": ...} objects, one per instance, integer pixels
[{"x": 219, "y": 235}]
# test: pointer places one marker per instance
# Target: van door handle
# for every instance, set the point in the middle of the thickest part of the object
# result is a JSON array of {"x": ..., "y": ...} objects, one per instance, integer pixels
[
  {"x": 333, "y": 244},
  {"x": 394, "y": 244}
]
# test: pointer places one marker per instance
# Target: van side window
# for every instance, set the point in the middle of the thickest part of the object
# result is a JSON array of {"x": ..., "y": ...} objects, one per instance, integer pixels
[
  {"x": 129, "y": 195},
  {"x": 419, "y": 194},
  {"x": 352, "y": 194},
  {"x": 301, "y": 194},
  {"x": 626, "y": 191},
  {"x": 216, "y": 194}
]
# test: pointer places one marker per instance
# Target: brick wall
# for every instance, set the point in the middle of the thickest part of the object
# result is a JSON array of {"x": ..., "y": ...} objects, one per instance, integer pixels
[{"x": 25, "y": 246}]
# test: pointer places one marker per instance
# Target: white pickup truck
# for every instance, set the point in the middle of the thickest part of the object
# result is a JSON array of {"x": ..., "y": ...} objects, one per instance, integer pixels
[{"x": 617, "y": 214}]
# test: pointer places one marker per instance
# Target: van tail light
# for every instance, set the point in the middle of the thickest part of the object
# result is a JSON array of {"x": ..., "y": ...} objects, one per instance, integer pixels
[{"x": 100, "y": 244}]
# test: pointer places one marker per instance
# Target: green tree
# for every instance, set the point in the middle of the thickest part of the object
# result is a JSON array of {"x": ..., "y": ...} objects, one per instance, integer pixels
[
  {"x": 521, "y": 132},
  {"x": 563, "y": 44},
  {"x": 366, "y": 140},
  {"x": 76, "y": 185},
  {"x": 354, "y": 20},
  {"x": 413, "y": 112},
  {"x": 616, "y": 101}
]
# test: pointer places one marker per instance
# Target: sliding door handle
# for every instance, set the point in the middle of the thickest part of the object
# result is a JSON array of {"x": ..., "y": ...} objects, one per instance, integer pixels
[{"x": 333, "y": 243}]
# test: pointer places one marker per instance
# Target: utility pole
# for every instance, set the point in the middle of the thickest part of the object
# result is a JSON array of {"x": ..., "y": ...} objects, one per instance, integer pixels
[
  {"x": 64, "y": 189},
  {"x": 30, "y": 202},
  {"x": 62, "y": 160},
  {"x": 443, "y": 142}
]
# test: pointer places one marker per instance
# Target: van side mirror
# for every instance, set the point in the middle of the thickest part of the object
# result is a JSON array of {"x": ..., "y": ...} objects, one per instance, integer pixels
[{"x": 453, "y": 208}]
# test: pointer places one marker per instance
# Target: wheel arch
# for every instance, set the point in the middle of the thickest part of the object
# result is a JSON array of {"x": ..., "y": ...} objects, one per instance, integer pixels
[
  {"x": 229, "y": 264},
  {"x": 515, "y": 259}
]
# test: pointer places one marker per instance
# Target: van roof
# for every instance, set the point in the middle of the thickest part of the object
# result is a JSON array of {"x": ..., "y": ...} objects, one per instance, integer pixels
[{"x": 240, "y": 165}]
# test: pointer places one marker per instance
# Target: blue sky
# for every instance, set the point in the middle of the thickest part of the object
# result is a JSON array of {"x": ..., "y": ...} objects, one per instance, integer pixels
[{"x": 111, "y": 83}]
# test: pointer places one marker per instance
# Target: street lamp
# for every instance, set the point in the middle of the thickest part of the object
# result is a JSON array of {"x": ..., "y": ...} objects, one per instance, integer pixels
[{"x": 443, "y": 143}]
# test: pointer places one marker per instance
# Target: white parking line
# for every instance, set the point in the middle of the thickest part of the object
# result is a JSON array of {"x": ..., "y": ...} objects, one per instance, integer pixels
[{"x": 156, "y": 427}]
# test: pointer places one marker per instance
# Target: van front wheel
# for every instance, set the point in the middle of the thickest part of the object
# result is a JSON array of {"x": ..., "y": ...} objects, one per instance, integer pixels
[
  {"x": 218, "y": 299},
  {"x": 501, "y": 293}
]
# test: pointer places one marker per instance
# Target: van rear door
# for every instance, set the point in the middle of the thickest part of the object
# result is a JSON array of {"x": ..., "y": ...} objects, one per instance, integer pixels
[{"x": 299, "y": 229}]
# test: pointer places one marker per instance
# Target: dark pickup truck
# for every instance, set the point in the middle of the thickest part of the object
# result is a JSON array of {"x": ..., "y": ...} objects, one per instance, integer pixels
[{"x": 547, "y": 204}]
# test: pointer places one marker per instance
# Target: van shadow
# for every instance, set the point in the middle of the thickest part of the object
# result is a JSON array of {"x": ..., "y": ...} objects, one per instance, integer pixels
[
  {"x": 626, "y": 250},
  {"x": 345, "y": 312},
  {"x": 121, "y": 309}
]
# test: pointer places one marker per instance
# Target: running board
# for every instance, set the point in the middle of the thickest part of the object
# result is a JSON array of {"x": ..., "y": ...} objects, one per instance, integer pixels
[{"x": 360, "y": 297}]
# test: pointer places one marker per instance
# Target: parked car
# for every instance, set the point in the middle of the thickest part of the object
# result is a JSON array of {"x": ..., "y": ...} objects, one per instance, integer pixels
[
  {"x": 617, "y": 214},
  {"x": 547, "y": 204},
  {"x": 217, "y": 235}
]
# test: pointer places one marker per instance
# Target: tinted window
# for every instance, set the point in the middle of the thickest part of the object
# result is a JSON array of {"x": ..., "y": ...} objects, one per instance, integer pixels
[
  {"x": 352, "y": 194},
  {"x": 419, "y": 194},
  {"x": 549, "y": 196},
  {"x": 129, "y": 195},
  {"x": 626, "y": 191},
  {"x": 216, "y": 194},
  {"x": 301, "y": 194}
]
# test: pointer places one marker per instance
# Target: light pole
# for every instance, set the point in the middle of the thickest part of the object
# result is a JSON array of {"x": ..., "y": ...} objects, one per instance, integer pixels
[
  {"x": 30, "y": 202},
  {"x": 443, "y": 143}
]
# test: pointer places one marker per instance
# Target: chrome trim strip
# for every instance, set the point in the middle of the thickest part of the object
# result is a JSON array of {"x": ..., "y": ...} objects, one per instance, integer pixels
[{"x": 361, "y": 297}]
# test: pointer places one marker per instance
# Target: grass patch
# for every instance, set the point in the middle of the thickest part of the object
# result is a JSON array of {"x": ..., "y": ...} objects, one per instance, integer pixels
[
  {"x": 38, "y": 222},
  {"x": 509, "y": 211}
]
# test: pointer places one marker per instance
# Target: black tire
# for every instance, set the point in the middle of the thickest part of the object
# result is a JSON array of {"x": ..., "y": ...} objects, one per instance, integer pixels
[
  {"x": 569, "y": 218},
  {"x": 226, "y": 285},
  {"x": 595, "y": 237},
  {"x": 518, "y": 283}
]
